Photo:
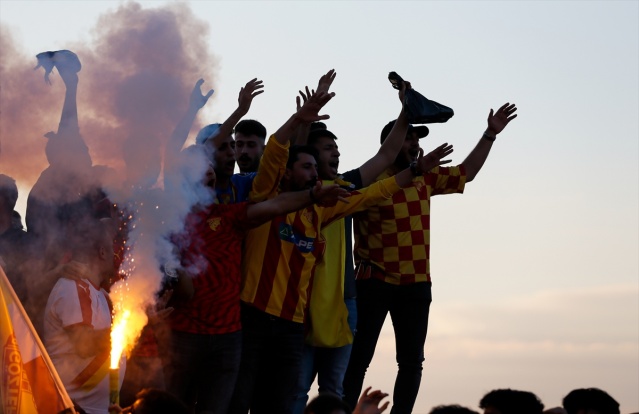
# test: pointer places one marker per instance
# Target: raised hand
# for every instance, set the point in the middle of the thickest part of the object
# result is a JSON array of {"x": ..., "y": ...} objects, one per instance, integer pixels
[
  {"x": 402, "y": 91},
  {"x": 434, "y": 158},
  {"x": 304, "y": 97},
  {"x": 498, "y": 121},
  {"x": 325, "y": 81},
  {"x": 252, "y": 88},
  {"x": 328, "y": 195},
  {"x": 309, "y": 111},
  {"x": 369, "y": 402},
  {"x": 197, "y": 100}
]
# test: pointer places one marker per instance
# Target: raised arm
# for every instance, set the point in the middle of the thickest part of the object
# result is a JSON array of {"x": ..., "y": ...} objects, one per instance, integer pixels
[
  {"x": 387, "y": 153},
  {"x": 197, "y": 100},
  {"x": 273, "y": 163},
  {"x": 288, "y": 202},
  {"x": 496, "y": 123},
  {"x": 252, "y": 88},
  {"x": 301, "y": 133},
  {"x": 305, "y": 114}
]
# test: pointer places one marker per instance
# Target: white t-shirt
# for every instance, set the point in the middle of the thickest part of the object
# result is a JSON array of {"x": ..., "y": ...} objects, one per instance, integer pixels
[{"x": 79, "y": 302}]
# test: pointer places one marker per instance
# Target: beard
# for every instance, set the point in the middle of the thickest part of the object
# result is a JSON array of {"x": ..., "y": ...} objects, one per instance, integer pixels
[{"x": 303, "y": 186}]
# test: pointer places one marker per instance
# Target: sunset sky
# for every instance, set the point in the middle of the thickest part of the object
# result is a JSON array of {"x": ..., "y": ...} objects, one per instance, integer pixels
[{"x": 536, "y": 267}]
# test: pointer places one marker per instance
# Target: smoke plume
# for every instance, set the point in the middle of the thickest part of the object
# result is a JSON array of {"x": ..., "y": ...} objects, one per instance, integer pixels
[{"x": 138, "y": 70}]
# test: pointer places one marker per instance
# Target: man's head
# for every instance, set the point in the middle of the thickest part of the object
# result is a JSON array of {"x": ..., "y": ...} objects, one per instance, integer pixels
[
  {"x": 327, "y": 403},
  {"x": 8, "y": 194},
  {"x": 301, "y": 168},
  {"x": 92, "y": 243},
  {"x": 590, "y": 401},
  {"x": 410, "y": 148},
  {"x": 452, "y": 409},
  {"x": 221, "y": 150},
  {"x": 507, "y": 401},
  {"x": 249, "y": 144},
  {"x": 323, "y": 141}
]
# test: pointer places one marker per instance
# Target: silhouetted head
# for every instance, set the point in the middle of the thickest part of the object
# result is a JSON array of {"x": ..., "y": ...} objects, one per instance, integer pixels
[
  {"x": 327, "y": 403},
  {"x": 590, "y": 401},
  {"x": 452, "y": 409},
  {"x": 507, "y": 401},
  {"x": 410, "y": 148},
  {"x": 8, "y": 194},
  {"x": 323, "y": 141},
  {"x": 301, "y": 168},
  {"x": 249, "y": 144}
]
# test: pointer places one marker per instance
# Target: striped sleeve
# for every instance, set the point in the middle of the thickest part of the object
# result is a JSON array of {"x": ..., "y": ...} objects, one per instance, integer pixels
[
  {"x": 360, "y": 200},
  {"x": 270, "y": 172}
]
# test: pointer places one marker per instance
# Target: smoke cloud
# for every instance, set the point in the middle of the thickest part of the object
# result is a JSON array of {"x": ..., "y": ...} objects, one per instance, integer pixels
[{"x": 138, "y": 70}]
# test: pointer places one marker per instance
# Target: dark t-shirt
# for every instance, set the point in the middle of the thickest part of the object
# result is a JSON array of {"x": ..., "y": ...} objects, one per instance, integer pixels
[{"x": 355, "y": 178}]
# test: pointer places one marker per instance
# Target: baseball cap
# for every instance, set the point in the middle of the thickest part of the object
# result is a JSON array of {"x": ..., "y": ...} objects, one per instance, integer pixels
[
  {"x": 421, "y": 131},
  {"x": 207, "y": 132}
]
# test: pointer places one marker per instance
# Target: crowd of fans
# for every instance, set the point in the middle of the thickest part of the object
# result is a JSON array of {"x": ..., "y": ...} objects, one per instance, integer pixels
[{"x": 264, "y": 297}]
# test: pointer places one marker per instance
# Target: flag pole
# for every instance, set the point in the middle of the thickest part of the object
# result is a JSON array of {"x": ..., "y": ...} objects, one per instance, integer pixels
[{"x": 68, "y": 404}]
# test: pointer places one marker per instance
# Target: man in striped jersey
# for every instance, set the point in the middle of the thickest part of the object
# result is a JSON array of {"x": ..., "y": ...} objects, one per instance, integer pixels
[
  {"x": 277, "y": 268},
  {"x": 77, "y": 321}
]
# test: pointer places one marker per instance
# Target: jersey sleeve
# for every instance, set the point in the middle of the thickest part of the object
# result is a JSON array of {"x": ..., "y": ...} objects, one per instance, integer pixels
[
  {"x": 270, "y": 172},
  {"x": 71, "y": 303},
  {"x": 360, "y": 200},
  {"x": 447, "y": 180}
]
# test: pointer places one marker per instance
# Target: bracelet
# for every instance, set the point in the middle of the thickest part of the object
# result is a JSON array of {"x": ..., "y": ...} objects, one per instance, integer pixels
[
  {"x": 489, "y": 138},
  {"x": 313, "y": 198}
]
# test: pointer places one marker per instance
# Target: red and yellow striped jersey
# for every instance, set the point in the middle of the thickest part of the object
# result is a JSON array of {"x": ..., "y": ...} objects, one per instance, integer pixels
[{"x": 279, "y": 256}]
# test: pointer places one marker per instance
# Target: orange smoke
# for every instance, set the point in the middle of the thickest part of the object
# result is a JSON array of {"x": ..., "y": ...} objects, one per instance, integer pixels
[{"x": 137, "y": 72}]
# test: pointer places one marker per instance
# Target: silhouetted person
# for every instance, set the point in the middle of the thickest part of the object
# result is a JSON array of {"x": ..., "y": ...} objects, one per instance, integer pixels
[
  {"x": 590, "y": 401},
  {"x": 507, "y": 401},
  {"x": 13, "y": 239}
]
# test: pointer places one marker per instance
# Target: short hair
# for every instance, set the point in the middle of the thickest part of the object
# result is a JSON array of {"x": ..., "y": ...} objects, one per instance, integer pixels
[
  {"x": 8, "y": 191},
  {"x": 296, "y": 150},
  {"x": 590, "y": 398},
  {"x": 250, "y": 127},
  {"x": 509, "y": 401},
  {"x": 326, "y": 403},
  {"x": 452, "y": 409},
  {"x": 316, "y": 134},
  {"x": 154, "y": 401}
]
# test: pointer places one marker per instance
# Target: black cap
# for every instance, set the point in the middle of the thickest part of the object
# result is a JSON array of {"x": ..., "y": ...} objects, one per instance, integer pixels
[{"x": 420, "y": 130}]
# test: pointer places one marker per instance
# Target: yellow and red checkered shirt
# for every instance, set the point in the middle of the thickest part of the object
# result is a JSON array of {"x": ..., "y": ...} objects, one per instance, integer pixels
[{"x": 394, "y": 235}]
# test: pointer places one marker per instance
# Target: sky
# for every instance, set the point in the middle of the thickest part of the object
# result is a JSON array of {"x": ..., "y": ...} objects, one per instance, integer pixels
[{"x": 536, "y": 266}]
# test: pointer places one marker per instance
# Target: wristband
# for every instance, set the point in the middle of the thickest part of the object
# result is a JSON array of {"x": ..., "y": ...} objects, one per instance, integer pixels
[
  {"x": 313, "y": 198},
  {"x": 489, "y": 138}
]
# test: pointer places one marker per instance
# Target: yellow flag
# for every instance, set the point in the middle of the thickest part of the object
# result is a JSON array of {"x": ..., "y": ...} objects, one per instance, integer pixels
[{"x": 29, "y": 383}]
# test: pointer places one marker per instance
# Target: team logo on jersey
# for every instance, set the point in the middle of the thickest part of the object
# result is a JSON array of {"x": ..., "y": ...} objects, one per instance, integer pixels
[
  {"x": 214, "y": 223},
  {"x": 304, "y": 244}
]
